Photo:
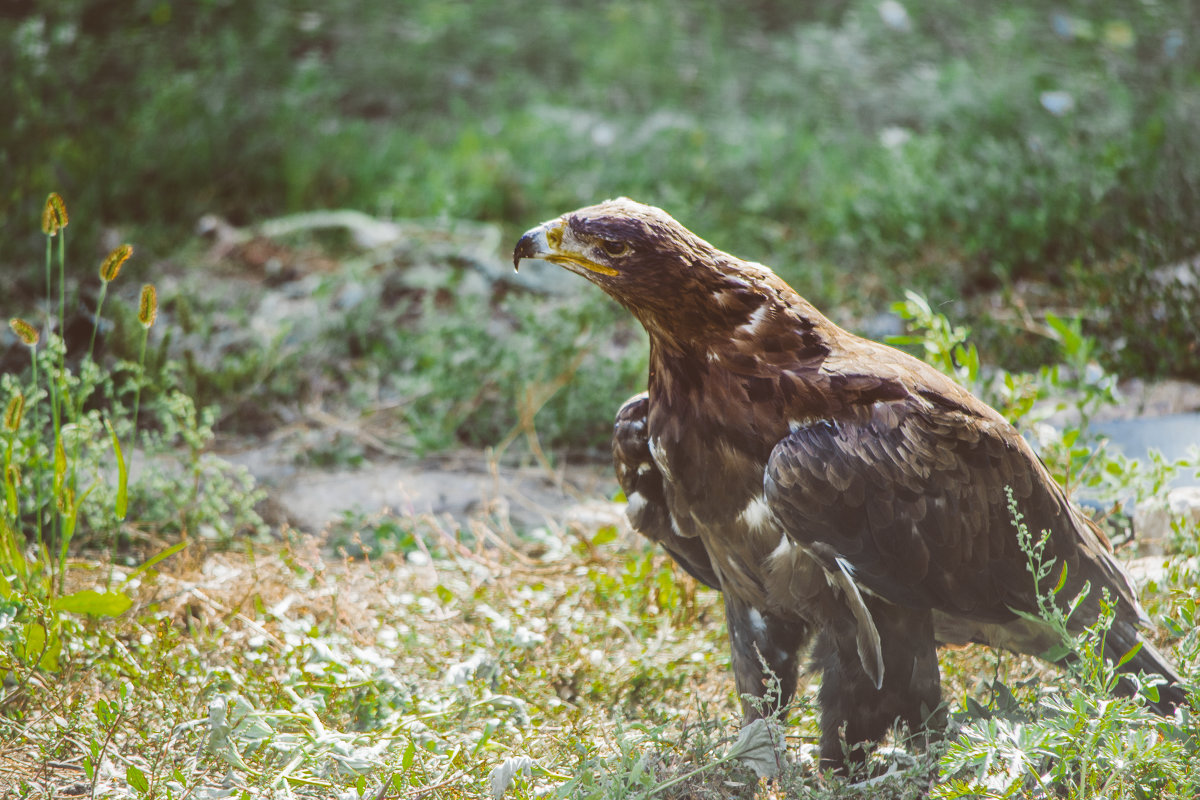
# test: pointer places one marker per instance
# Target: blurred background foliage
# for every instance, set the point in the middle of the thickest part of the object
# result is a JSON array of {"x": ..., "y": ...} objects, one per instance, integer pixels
[{"x": 959, "y": 148}]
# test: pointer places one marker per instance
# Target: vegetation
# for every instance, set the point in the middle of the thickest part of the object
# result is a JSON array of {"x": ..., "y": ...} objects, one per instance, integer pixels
[
  {"x": 159, "y": 640},
  {"x": 949, "y": 151}
]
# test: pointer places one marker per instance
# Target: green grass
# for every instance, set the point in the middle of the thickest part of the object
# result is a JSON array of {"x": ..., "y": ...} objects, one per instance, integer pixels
[
  {"x": 856, "y": 158},
  {"x": 406, "y": 657}
]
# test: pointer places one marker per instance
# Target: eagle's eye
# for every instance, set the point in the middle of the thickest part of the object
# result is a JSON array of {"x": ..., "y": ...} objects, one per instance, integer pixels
[{"x": 613, "y": 247}]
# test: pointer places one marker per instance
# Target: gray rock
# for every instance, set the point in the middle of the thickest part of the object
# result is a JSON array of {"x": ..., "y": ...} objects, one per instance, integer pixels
[{"x": 1155, "y": 519}]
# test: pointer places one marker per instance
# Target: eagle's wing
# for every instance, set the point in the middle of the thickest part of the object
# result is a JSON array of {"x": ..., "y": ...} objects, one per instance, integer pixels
[
  {"x": 910, "y": 497},
  {"x": 642, "y": 483}
]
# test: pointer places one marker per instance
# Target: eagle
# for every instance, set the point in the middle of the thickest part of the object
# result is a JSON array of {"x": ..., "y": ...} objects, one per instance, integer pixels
[{"x": 847, "y": 499}]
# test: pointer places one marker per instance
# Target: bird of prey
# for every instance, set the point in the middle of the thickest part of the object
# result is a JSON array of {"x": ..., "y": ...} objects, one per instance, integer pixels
[{"x": 842, "y": 495}]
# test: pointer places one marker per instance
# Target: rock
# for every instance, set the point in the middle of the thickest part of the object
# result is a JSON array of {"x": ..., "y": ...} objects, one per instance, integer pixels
[{"x": 1154, "y": 520}]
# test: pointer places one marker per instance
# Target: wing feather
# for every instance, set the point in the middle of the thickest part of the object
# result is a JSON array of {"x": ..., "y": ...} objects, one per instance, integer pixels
[
  {"x": 642, "y": 482},
  {"x": 912, "y": 496}
]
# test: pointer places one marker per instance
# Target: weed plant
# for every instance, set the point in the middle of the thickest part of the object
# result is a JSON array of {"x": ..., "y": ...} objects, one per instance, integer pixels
[
  {"x": 1078, "y": 741},
  {"x": 66, "y": 473}
]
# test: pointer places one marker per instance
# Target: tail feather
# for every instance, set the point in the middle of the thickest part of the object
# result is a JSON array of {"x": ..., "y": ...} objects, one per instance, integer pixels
[{"x": 1123, "y": 637}]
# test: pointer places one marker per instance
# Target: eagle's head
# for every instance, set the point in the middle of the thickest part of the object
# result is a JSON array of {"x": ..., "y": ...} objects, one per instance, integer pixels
[
  {"x": 649, "y": 263},
  {"x": 617, "y": 243}
]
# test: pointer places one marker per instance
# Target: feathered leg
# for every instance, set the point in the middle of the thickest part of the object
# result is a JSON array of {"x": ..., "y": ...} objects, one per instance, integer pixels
[
  {"x": 853, "y": 710},
  {"x": 764, "y": 645}
]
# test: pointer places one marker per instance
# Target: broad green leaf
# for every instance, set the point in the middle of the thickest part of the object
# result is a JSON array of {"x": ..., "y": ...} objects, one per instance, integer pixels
[
  {"x": 94, "y": 604},
  {"x": 42, "y": 645},
  {"x": 605, "y": 535},
  {"x": 137, "y": 779},
  {"x": 758, "y": 747}
]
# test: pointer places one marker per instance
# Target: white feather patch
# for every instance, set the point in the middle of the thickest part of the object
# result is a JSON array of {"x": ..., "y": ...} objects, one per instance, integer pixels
[
  {"x": 756, "y": 318},
  {"x": 660, "y": 459},
  {"x": 634, "y": 505},
  {"x": 782, "y": 549},
  {"x": 756, "y": 514}
]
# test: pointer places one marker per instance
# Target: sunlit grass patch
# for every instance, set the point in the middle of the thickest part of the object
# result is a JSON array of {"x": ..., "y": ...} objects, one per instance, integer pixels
[{"x": 294, "y": 670}]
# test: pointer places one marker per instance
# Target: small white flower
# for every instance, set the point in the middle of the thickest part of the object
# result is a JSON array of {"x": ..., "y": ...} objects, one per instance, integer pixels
[{"x": 503, "y": 775}]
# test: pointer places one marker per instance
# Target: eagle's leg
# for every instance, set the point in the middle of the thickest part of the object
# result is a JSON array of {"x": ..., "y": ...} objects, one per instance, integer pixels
[
  {"x": 766, "y": 655},
  {"x": 853, "y": 711}
]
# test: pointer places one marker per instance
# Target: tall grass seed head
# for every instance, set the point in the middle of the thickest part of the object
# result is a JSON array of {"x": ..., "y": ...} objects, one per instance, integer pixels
[
  {"x": 12, "y": 414},
  {"x": 148, "y": 306},
  {"x": 110, "y": 268},
  {"x": 54, "y": 215},
  {"x": 26, "y": 332}
]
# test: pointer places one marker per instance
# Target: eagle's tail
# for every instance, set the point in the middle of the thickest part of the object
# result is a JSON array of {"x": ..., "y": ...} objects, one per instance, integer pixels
[{"x": 1122, "y": 637}]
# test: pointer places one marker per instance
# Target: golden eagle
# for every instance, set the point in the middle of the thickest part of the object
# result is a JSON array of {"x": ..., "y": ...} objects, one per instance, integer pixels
[{"x": 837, "y": 491}]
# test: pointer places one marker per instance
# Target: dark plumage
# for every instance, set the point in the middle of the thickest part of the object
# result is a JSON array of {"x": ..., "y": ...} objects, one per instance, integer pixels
[{"x": 834, "y": 489}]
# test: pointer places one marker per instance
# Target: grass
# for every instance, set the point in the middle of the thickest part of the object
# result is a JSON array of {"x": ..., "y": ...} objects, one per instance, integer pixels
[
  {"x": 978, "y": 146},
  {"x": 419, "y": 657},
  {"x": 290, "y": 671}
]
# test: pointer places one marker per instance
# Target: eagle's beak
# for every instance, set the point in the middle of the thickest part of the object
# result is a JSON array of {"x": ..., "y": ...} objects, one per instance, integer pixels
[
  {"x": 546, "y": 242},
  {"x": 538, "y": 242}
]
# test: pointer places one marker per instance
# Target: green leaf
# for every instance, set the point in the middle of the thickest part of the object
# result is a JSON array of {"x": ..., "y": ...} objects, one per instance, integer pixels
[
  {"x": 42, "y": 645},
  {"x": 1057, "y": 653},
  {"x": 94, "y": 604},
  {"x": 60, "y": 464},
  {"x": 137, "y": 779},
  {"x": 1062, "y": 579},
  {"x": 10, "y": 493},
  {"x": 757, "y": 747},
  {"x": 170, "y": 551},
  {"x": 122, "y": 503},
  {"x": 1133, "y": 651},
  {"x": 605, "y": 535}
]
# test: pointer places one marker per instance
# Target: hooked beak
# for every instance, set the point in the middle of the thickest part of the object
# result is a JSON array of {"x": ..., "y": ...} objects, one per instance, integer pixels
[
  {"x": 536, "y": 243},
  {"x": 546, "y": 242}
]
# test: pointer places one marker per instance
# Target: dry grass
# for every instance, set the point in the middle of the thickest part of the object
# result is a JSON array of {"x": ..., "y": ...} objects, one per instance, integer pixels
[
  {"x": 285, "y": 670},
  {"x": 420, "y": 674}
]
